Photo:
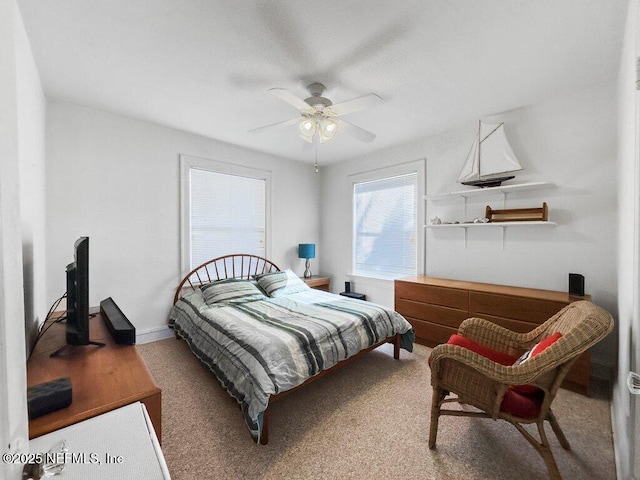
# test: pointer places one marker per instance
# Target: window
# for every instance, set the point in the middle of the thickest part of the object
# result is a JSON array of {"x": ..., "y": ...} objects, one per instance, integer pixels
[
  {"x": 387, "y": 230},
  {"x": 224, "y": 210}
]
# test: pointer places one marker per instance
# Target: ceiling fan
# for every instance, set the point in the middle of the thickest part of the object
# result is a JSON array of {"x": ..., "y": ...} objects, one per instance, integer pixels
[{"x": 320, "y": 117}]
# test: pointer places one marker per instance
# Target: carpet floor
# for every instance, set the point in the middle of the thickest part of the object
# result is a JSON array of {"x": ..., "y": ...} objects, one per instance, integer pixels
[{"x": 367, "y": 420}]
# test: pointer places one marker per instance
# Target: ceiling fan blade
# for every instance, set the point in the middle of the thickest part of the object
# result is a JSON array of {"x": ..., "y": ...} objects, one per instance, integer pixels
[
  {"x": 354, "y": 105},
  {"x": 356, "y": 132},
  {"x": 275, "y": 125},
  {"x": 289, "y": 97}
]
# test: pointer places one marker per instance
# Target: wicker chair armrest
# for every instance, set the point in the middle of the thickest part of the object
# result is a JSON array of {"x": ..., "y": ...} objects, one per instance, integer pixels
[
  {"x": 444, "y": 356},
  {"x": 494, "y": 336}
]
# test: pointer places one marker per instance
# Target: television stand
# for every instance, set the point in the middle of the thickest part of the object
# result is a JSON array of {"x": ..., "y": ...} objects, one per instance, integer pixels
[
  {"x": 102, "y": 378},
  {"x": 67, "y": 346}
]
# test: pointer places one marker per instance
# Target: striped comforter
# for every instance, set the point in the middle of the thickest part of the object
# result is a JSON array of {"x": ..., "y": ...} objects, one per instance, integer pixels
[{"x": 261, "y": 348}]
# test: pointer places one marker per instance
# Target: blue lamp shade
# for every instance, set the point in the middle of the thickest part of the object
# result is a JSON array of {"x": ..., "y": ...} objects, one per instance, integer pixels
[{"x": 307, "y": 250}]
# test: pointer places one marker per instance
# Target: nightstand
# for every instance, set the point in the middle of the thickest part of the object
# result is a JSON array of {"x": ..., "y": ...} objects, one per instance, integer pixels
[{"x": 318, "y": 282}]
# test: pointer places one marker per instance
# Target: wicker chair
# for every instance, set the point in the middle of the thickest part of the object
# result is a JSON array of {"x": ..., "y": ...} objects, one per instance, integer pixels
[{"x": 482, "y": 383}]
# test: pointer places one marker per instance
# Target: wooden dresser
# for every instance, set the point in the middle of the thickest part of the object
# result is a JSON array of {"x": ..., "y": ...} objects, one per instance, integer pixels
[
  {"x": 436, "y": 307},
  {"x": 102, "y": 378}
]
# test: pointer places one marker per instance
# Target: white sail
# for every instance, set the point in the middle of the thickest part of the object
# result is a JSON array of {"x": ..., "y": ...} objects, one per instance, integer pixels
[
  {"x": 490, "y": 154},
  {"x": 471, "y": 168}
]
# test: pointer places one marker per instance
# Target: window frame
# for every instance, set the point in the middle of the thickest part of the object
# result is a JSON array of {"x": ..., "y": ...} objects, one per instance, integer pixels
[
  {"x": 187, "y": 163},
  {"x": 417, "y": 167}
]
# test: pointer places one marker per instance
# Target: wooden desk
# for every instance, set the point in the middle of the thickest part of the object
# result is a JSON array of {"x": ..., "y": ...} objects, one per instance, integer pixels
[{"x": 102, "y": 378}]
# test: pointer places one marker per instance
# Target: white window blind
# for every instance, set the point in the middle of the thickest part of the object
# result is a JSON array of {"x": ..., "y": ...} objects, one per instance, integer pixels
[
  {"x": 385, "y": 233},
  {"x": 227, "y": 215}
]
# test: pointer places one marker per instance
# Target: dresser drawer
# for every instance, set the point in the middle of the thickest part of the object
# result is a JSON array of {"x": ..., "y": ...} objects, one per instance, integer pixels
[
  {"x": 517, "y": 308},
  {"x": 448, "y": 297},
  {"x": 514, "y": 325},
  {"x": 430, "y": 334},
  {"x": 432, "y": 313}
]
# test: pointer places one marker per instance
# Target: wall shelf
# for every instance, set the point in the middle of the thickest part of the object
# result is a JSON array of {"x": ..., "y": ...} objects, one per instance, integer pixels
[
  {"x": 477, "y": 192},
  {"x": 503, "y": 189},
  {"x": 493, "y": 224},
  {"x": 502, "y": 225}
]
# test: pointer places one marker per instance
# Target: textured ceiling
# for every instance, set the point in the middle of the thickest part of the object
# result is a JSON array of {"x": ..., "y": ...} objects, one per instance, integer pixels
[{"x": 205, "y": 66}]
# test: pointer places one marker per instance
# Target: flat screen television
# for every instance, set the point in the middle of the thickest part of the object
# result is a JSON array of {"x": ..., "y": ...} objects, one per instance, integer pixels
[
  {"x": 78, "y": 294},
  {"x": 77, "y": 317}
]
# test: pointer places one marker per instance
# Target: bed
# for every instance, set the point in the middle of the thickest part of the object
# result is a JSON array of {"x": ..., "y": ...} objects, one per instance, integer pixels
[{"x": 264, "y": 333}]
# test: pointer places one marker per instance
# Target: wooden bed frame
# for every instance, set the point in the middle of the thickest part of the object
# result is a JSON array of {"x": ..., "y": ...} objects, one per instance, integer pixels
[
  {"x": 230, "y": 266},
  {"x": 246, "y": 266}
]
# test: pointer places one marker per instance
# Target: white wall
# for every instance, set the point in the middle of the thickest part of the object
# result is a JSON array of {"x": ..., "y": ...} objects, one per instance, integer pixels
[
  {"x": 625, "y": 410},
  {"x": 31, "y": 147},
  {"x": 117, "y": 180},
  {"x": 21, "y": 149},
  {"x": 570, "y": 141}
]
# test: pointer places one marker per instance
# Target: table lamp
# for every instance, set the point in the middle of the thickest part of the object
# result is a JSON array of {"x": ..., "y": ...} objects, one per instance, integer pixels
[{"x": 307, "y": 251}]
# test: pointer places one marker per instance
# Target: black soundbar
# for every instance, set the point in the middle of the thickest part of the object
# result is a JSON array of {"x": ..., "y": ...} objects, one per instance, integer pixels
[
  {"x": 121, "y": 329},
  {"x": 48, "y": 397}
]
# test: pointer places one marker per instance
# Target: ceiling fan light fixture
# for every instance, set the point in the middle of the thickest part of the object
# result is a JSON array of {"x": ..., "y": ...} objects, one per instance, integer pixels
[
  {"x": 319, "y": 122},
  {"x": 328, "y": 127},
  {"x": 308, "y": 127}
]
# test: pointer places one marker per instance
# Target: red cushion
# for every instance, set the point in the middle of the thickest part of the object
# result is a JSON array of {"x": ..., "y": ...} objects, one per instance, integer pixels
[
  {"x": 526, "y": 389},
  {"x": 525, "y": 404},
  {"x": 520, "y": 405},
  {"x": 498, "y": 357},
  {"x": 537, "y": 349}
]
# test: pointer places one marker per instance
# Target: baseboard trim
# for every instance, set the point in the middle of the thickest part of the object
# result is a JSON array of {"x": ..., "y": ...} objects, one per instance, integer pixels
[{"x": 153, "y": 334}]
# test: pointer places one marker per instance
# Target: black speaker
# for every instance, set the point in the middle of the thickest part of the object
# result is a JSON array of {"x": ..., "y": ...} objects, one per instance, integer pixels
[
  {"x": 122, "y": 330},
  {"x": 576, "y": 284},
  {"x": 347, "y": 287},
  {"x": 48, "y": 397}
]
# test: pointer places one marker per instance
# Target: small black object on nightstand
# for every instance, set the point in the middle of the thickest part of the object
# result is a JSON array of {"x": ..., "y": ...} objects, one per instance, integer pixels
[{"x": 359, "y": 296}]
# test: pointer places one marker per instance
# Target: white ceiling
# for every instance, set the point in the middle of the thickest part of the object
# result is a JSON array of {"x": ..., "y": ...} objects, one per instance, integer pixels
[{"x": 205, "y": 66}]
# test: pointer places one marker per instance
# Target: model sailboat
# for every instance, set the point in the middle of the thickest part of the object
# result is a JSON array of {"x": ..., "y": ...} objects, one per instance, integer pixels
[{"x": 490, "y": 158}]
